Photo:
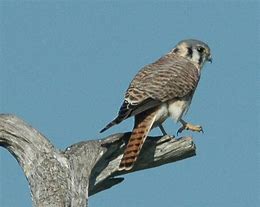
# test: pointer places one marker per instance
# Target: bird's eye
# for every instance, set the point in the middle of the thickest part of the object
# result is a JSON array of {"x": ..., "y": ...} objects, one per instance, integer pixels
[{"x": 200, "y": 49}]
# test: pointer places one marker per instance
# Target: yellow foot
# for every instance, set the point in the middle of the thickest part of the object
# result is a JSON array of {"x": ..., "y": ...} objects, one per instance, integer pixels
[{"x": 191, "y": 127}]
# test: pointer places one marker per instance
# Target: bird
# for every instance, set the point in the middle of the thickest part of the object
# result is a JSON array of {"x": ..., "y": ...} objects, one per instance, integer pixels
[{"x": 162, "y": 89}]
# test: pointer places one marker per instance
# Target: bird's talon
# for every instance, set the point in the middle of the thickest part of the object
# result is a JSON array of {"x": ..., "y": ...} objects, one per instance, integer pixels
[
  {"x": 187, "y": 126},
  {"x": 180, "y": 130}
]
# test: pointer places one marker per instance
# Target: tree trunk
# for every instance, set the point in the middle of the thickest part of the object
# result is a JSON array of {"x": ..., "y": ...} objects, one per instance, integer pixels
[{"x": 69, "y": 177}]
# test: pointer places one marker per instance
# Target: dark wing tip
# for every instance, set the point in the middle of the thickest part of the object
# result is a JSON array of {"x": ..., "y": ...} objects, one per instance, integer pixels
[
  {"x": 104, "y": 129},
  {"x": 124, "y": 113},
  {"x": 112, "y": 123}
]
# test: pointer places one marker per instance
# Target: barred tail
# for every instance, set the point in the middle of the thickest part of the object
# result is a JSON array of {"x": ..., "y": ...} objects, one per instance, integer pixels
[{"x": 143, "y": 124}]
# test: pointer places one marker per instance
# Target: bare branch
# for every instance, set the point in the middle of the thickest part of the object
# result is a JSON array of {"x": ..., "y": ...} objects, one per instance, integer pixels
[{"x": 67, "y": 178}]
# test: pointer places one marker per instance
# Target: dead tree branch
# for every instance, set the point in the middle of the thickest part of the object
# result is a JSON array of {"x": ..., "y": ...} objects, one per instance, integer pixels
[{"x": 69, "y": 177}]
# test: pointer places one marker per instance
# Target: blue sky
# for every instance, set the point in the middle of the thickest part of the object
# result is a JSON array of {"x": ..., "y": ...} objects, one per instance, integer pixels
[{"x": 65, "y": 67}]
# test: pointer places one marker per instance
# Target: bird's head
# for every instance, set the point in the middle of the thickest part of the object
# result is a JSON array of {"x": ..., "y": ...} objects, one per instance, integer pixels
[{"x": 196, "y": 51}]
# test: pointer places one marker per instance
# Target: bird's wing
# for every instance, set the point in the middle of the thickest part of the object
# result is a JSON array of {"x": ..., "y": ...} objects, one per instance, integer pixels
[
  {"x": 129, "y": 109},
  {"x": 168, "y": 78}
]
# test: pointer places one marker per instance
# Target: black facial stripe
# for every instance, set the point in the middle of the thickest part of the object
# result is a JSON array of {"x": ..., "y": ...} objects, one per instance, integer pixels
[
  {"x": 200, "y": 59},
  {"x": 189, "y": 54}
]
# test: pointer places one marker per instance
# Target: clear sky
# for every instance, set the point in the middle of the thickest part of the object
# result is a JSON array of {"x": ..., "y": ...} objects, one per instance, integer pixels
[{"x": 65, "y": 66}]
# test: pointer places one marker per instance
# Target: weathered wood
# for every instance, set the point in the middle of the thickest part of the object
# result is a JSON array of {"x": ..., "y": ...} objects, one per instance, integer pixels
[{"x": 69, "y": 177}]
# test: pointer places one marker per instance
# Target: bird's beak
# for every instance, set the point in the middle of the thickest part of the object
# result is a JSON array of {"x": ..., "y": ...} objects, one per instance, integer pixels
[{"x": 209, "y": 59}]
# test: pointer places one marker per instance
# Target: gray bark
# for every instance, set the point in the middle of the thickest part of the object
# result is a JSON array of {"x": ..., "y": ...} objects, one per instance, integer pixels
[{"x": 69, "y": 177}]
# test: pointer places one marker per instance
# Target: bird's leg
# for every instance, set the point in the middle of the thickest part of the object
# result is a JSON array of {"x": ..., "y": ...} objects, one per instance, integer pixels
[
  {"x": 162, "y": 129},
  {"x": 188, "y": 126}
]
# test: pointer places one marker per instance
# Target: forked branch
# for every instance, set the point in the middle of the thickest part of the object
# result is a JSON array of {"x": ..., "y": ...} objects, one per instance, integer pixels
[{"x": 69, "y": 177}]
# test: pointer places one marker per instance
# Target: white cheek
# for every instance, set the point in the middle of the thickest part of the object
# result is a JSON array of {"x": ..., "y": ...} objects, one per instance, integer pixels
[{"x": 195, "y": 56}]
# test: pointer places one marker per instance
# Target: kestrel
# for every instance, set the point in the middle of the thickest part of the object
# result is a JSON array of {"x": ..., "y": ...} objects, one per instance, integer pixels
[{"x": 159, "y": 90}]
